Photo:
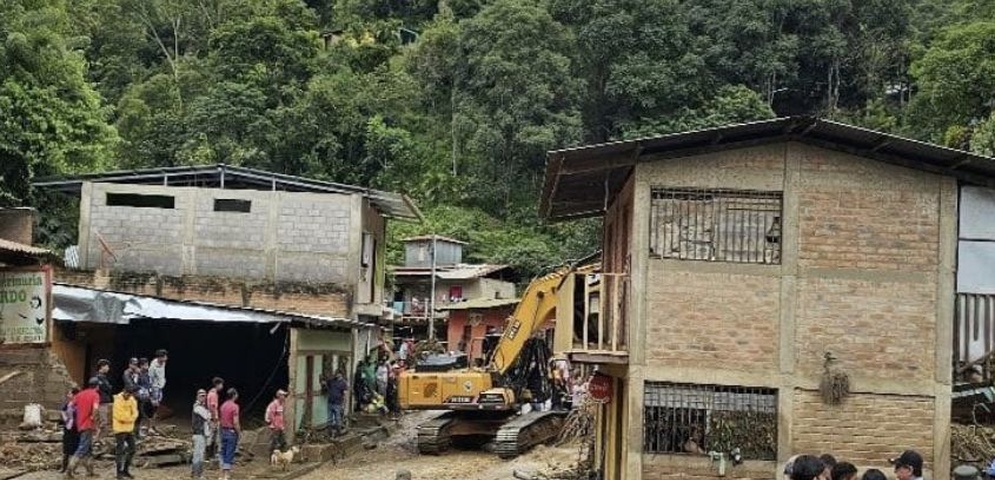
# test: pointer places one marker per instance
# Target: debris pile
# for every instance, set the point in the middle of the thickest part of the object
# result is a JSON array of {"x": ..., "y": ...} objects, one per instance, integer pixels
[{"x": 974, "y": 444}]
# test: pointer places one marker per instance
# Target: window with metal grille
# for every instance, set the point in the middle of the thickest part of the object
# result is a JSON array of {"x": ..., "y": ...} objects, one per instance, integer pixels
[
  {"x": 739, "y": 226},
  {"x": 684, "y": 418}
]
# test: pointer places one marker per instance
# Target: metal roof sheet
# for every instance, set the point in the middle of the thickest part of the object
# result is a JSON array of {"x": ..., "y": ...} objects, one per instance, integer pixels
[
  {"x": 450, "y": 272},
  {"x": 440, "y": 238},
  {"x": 579, "y": 181},
  {"x": 392, "y": 204},
  {"x": 15, "y": 253},
  {"x": 480, "y": 304},
  {"x": 84, "y": 304}
]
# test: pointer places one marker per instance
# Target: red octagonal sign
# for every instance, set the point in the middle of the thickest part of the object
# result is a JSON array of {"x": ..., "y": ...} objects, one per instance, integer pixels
[{"x": 600, "y": 388}]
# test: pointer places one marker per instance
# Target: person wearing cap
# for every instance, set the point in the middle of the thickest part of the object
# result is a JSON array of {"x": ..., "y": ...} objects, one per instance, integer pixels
[
  {"x": 87, "y": 404},
  {"x": 231, "y": 430},
  {"x": 201, "y": 425},
  {"x": 908, "y": 465},
  {"x": 106, "y": 391},
  {"x": 124, "y": 414},
  {"x": 274, "y": 418}
]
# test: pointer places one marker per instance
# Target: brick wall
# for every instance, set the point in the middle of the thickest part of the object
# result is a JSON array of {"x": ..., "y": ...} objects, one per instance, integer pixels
[
  {"x": 711, "y": 320},
  {"x": 868, "y": 230},
  {"x": 877, "y": 329},
  {"x": 40, "y": 378},
  {"x": 864, "y": 430},
  {"x": 284, "y": 236}
]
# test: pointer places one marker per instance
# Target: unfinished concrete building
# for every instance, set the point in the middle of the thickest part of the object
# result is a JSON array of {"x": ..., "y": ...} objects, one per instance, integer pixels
[
  {"x": 739, "y": 264},
  {"x": 268, "y": 280}
]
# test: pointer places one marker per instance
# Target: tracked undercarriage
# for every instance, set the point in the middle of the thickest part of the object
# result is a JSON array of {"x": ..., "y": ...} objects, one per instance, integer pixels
[{"x": 511, "y": 435}]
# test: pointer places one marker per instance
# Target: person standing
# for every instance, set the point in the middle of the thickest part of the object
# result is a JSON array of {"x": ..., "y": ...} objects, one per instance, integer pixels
[
  {"x": 87, "y": 404},
  {"x": 125, "y": 414},
  {"x": 144, "y": 382},
  {"x": 201, "y": 425},
  {"x": 130, "y": 375},
  {"x": 157, "y": 373},
  {"x": 336, "y": 388},
  {"x": 383, "y": 374},
  {"x": 274, "y": 418},
  {"x": 213, "y": 406},
  {"x": 106, "y": 391},
  {"x": 231, "y": 429},
  {"x": 70, "y": 435}
]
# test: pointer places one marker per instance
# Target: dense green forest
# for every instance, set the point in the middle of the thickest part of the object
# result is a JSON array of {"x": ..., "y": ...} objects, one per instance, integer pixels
[{"x": 455, "y": 102}]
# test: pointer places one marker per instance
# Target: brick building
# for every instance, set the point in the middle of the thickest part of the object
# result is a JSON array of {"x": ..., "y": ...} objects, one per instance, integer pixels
[
  {"x": 735, "y": 260},
  {"x": 269, "y": 280}
]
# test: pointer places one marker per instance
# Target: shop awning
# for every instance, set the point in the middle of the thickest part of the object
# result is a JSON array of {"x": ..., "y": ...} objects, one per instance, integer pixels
[{"x": 80, "y": 304}]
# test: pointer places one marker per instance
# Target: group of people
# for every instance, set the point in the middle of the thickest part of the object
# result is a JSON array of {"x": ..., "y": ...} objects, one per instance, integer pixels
[
  {"x": 88, "y": 413},
  {"x": 908, "y": 466}
]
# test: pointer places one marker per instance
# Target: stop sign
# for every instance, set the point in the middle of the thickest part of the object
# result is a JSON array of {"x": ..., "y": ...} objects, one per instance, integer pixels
[{"x": 600, "y": 388}]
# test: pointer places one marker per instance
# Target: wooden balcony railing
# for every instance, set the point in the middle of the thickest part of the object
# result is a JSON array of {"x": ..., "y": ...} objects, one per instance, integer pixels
[{"x": 599, "y": 328}]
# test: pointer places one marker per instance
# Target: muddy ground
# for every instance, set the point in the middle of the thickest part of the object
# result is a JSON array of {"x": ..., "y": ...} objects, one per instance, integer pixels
[{"x": 398, "y": 452}]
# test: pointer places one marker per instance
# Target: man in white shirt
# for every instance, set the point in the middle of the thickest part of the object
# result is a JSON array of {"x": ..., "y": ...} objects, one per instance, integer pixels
[{"x": 157, "y": 373}]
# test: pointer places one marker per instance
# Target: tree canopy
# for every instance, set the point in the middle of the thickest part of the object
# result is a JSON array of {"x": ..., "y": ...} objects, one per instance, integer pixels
[{"x": 455, "y": 102}]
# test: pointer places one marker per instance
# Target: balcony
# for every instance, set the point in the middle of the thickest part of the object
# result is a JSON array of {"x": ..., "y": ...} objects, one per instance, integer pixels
[
  {"x": 414, "y": 310},
  {"x": 599, "y": 311}
]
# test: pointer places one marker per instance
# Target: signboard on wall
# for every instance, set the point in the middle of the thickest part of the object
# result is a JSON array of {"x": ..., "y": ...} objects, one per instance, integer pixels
[{"x": 24, "y": 305}]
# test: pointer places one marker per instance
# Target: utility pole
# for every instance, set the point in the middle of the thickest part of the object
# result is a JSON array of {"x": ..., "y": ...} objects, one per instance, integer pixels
[{"x": 431, "y": 301}]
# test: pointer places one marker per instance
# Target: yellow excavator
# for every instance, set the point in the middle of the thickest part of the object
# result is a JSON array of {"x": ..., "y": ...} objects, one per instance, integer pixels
[{"x": 485, "y": 402}]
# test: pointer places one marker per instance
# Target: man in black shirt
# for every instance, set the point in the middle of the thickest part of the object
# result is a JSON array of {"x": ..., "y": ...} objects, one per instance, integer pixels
[{"x": 106, "y": 391}]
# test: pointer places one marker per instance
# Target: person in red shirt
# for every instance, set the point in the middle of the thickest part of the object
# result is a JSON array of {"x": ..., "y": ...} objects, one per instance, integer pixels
[
  {"x": 214, "y": 405},
  {"x": 274, "y": 418},
  {"x": 231, "y": 430},
  {"x": 87, "y": 406}
]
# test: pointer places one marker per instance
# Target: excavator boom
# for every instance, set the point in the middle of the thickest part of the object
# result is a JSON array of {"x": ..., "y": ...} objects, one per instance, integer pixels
[{"x": 537, "y": 307}]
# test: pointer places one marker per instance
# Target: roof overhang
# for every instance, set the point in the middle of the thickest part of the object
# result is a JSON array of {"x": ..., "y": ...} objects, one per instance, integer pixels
[
  {"x": 580, "y": 181},
  {"x": 20, "y": 255},
  {"x": 393, "y": 205},
  {"x": 81, "y": 304}
]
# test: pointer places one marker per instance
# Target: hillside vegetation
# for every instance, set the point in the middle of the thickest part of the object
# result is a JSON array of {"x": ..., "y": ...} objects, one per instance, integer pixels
[{"x": 455, "y": 102}]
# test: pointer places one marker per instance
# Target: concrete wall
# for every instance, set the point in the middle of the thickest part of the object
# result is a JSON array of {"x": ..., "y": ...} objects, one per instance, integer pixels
[
  {"x": 866, "y": 273},
  {"x": 284, "y": 236},
  {"x": 17, "y": 224}
]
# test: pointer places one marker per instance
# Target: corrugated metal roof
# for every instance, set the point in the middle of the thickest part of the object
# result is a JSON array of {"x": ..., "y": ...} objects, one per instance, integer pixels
[
  {"x": 14, "y": 253},
  {"x": 77, "y": 303},
  {"x": 450, "y": 272},
  {"x": 580, "y": 180},
  {"x": 391, "y": 204},
  {"x": 8, "y": 246},
  {"x": 480, "y": 304},
  {"x": 440, "y": 238}
]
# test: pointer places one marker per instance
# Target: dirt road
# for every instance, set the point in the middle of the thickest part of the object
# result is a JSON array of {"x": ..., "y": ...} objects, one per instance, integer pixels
[{"x": 398, "y": 452}]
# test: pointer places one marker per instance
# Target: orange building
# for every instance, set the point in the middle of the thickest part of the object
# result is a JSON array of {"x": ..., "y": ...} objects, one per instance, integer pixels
[{"x": 469, "y": 322}]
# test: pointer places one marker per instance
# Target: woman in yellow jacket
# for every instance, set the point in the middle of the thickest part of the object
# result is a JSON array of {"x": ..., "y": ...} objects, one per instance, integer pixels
[{"x": 124, "y": 414}]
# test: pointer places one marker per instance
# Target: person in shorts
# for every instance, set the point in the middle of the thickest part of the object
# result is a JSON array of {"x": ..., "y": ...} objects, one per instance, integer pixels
[{"x": 106, "y": 391}]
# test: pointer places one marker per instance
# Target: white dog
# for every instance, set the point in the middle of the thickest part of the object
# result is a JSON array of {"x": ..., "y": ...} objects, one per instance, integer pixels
[{"x": 284, "y": 459}]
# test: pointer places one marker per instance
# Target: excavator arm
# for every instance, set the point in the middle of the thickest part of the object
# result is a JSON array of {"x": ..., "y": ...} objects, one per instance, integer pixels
[{"x": 537, "y": 307}]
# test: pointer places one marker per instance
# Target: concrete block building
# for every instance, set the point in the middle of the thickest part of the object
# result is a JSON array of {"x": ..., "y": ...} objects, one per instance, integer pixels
[
  {"x": 736, "y": 260},
  {"x": 269, "y": 280}
]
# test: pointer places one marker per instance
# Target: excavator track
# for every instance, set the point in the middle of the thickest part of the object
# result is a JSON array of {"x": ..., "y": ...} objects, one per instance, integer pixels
[
  {"x": 433, "y": 436},
  {"x": 519, "y": 435}
]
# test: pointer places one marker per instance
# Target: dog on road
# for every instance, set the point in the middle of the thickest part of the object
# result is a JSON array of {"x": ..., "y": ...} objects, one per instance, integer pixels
[{"x": 284, "y": 459}]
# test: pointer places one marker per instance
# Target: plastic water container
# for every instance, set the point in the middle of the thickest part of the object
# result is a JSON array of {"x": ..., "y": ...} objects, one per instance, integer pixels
[{"x": 32, "y": 416}]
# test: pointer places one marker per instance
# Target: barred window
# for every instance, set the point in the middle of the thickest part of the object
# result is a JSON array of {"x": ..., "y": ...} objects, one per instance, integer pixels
[
  {"x": 695, "y": 419},
  {"x": 739, "y": 226}
]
